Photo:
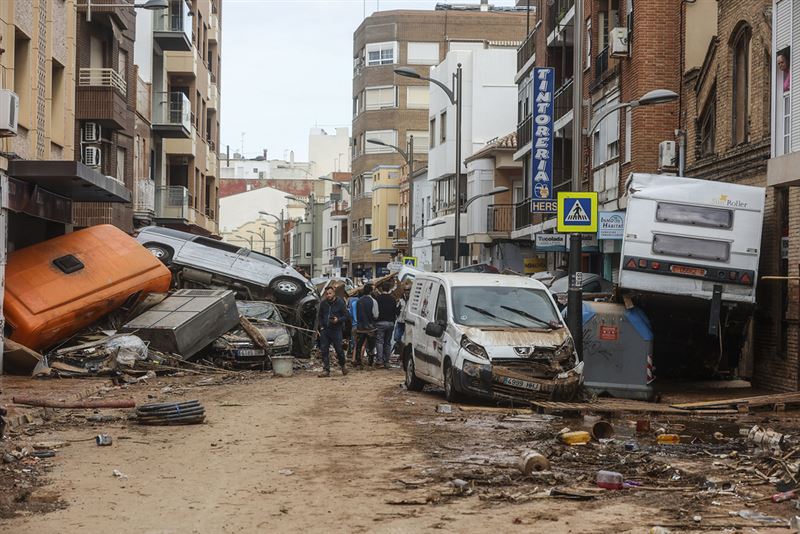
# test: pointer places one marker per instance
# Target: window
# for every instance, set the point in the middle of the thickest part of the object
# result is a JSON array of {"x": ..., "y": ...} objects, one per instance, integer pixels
[
  {"x": 694, "y": 215},
  {"x": 417, "y": 96},
  {"x": 432, "y": 133},
  {"x": 421, "y": 141},
  {"x": 691, "y": 247},
  {"x": 707, "y": 125},
  {"x": 367, "y": 228},
  {"x": 441, "y": 308},
  {"x": 120, "y": 174},
  {"x": 443, "y": 127},
  {"x": 387, "y": 136},
  {"x": 423, "y": 53},
  {"x": 605, "y": 144},
  {"x": 380, "y": 97},
  {"x": 628, "y": 134},
  {"x": 741, "y": 84},
  {"x": 307, "y": 244},
  {"x": 57, "y": 103},
  {"x": 355, "y": 106},
  {"x": 381, "y": 53},
  {"x": 588, "y": 59},
  {"x": 22, "y": 76}
]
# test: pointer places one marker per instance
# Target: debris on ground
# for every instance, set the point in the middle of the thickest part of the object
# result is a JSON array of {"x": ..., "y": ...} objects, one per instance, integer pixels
[{"x": 179, "y": 413}]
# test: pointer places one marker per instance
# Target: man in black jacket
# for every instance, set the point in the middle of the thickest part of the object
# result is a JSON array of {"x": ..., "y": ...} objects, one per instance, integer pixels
[
  {"x": 366, "y": 313},
  {"x": 332, "y": 316}
]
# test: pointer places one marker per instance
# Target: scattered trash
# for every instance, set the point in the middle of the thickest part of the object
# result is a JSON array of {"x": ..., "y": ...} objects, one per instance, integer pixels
[
  {"x": 660, "y": 530},
  {"x": 43, "y": 454},
  {"x": 103, "y": 440},
  {"x": 444, "y": 408},
  {"x": 697, "y": 518},
  {"x": 758, "y": 516},
  {"x": 784, "y": 496},
  {"x": 643, "y": 426},
  {"x": 462, "y": 486},
  {"x": 668, "y": 439},
  {"x": 9, "y": 458},
  {"x": 532, "y": 461},
  {"x": 119, "y": 474},
  {"x": 286, "y": 472},
  {"x": 602, "y": 430},
  {"x": 168, "y": 413},
  {"x": 579, "y": 437},
  {"x": 768, "y": 439},
  {"x": 631, "y": 446},
  {"x": 719, "y": 436},
  {"x": 49, "y": 445},
  {"x": 609, "y": 480},
  {"x": 282, "y": 365},
  {"x": 46, "y": 403}
]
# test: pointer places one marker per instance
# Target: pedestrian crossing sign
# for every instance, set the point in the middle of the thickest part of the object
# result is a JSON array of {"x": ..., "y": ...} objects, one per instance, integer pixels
[{"x": 577, "y": 212}]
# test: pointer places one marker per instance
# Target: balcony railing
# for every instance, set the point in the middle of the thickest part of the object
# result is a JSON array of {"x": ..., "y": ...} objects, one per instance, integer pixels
[
  {"x": 173, "y": 20},
  {"x": 524, "y": 132},
  {"x": 556, "y": 13},
  {"x": 102, "y": 78},
  {"x": 601, "y": 64},
  {"x": 563, "y": 99},
  {"x": 173, "y": 109},
  {"x": 173, "y": 202},
  {"x": 400, "y": 236},
  {"x": 145, "y": 195},
  {"x": 500, "y": 218},
  {"x": 522, "y": 214},
  {"x": 526, "y": 50}
]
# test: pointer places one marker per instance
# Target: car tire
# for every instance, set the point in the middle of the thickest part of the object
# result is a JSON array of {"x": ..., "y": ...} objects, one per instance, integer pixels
[
  {"x": 412, "y": 382},
  {"x": 450, "y": 391},
  {"x": 287, "y": 289},
  {"x": 162, "y": 252}
]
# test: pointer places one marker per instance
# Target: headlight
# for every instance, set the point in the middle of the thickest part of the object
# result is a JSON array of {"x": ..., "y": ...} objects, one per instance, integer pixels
[
  {"x": 566, "y": 350},
  {"x": 282, "y": 339},
  {"x": 472, "y": 369},
  {"x": 473, "y": 348}
]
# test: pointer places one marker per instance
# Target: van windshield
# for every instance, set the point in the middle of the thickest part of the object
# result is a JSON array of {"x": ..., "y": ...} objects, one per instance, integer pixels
[{"x": 506, "y": 307}]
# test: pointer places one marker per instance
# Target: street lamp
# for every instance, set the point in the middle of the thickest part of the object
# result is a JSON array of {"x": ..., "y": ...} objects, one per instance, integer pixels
[
  {"x": 652, "y": 98},
  {"x": 409, "y": 159},
  {"x": 310, "y": 205},
  {"x": 343, "y": 185},
  {"x": 263, "y": 236},
  {"x": 152, "y": 5},
  {"x": 454, "y": 95},
  {"x": 421, "y": 228},
  {"x": 280, "y": 230},
  {"x": 495, "y": 191}
]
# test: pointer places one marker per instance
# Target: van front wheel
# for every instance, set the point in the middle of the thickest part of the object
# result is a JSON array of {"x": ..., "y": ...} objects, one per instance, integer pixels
[
  {"x": 412, "y": 382},
  {"x": 450, "y": 391}
]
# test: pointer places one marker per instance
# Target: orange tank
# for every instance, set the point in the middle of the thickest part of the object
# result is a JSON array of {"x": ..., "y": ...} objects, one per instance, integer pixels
[{"x": 60, "y": 286}]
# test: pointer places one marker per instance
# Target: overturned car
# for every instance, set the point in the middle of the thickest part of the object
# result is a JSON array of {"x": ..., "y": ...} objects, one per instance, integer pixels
[{"x": 206, "y": 263}]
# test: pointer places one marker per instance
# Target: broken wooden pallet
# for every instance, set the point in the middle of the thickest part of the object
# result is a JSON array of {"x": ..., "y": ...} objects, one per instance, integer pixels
[
  {"x": 606, "y": 406},
  {"x": 777, "y": 402}
]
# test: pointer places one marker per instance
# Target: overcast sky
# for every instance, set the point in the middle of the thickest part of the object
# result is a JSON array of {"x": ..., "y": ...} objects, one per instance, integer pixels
[{"x": 287, "y": 65}]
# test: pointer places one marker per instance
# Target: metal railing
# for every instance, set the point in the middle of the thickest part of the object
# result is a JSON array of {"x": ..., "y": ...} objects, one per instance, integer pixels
[
  {"x": 500, "y": 218},
  {"x": 173, "y": 202},
  {"x": 522, "y": 214},
  {"x": 556, "y": 13},
  {"x": 173, "y": 109},
  {"x": 524, "y": 131},
  {"x": 601, "y": 64},
  {"x": 145, "y": 195},
  {"x": 104, "y": 77},
  {"x": 563, "y": 99},
  {"x": 526, "y": 50}
]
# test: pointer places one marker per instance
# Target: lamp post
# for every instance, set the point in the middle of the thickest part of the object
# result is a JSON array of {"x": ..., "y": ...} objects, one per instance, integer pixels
[
  {"x": 454, "y": 95},
  {"x": 409, "y": 159},
  {"x": 152, "y": 5},
  {"x": 343, "y": 185},
  {"x": 421, "y": 228},
  {"x": 310, "y": 204},
  {"x": 280, "y": 231},
  {"x": 263, "y": 236},
  {"x": 493, "y": 192}
]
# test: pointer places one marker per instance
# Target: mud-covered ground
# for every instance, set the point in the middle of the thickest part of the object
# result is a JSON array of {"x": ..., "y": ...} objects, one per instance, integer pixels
[{"x": 361, "y": 454}]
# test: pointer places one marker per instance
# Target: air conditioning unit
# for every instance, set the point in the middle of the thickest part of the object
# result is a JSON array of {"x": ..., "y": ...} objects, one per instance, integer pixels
[
  {"x": 9, "y": 113},
  {"x": 91, "y": 156},
  {"x": 618, "y": 44},
  {"x": 666, "y": 154},
  {"x": 91, "y": 132}
]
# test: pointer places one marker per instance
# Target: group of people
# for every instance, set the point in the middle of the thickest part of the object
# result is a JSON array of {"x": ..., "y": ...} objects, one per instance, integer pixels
[{"x": 375, "y": 320}]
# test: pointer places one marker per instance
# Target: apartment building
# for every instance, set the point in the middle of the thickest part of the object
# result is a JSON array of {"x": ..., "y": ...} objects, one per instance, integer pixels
[
  {"x": 178, "y": 53},
  {"x": 390, "y": 108},
  {"x": 335, "y": 229},
  {"x": 39, "y": 64},
  {"x": 385, "y": 212}
]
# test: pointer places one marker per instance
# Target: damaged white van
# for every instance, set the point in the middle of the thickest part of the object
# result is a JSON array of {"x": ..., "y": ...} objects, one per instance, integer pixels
[{"x": 487, "y": 335}]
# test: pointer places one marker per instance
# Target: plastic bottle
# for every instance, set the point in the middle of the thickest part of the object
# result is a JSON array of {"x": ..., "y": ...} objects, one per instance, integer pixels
[
  {"x": 668, "y": 439},
  {"x": 784, "y": 496},
  {"x": 609, "y": 480},
  {"x": 579, "y": 437}
]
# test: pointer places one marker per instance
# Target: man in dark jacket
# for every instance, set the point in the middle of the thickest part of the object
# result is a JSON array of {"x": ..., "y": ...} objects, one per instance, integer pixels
[
  {"x": 366, "y": 313},
  {"x": 387, "y": 315},
  {"x": 332, "y": 316}
]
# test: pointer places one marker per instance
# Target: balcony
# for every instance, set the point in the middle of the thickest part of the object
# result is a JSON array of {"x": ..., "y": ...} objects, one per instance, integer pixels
[
  {"x": 144, "y": 197},
  {"x": 524, "y": 132},
  {"x": 212, "y": 165},
  {"x": 181, "y": 147},
  {"x": 101, "y": 97},
  {"x": 557, "y": 14},
  {"x": 400, "y": 238},
  {"x": 213, "y": 28},
  {"x": 600, "y": 65},
  {"x": 340, "y": 210},
  {"x": 172, "y": 28},
  {"x": 172, "y": 115},
  {"x": 500, "y": 218},
  {"x": 181, "y": 63},
  {"x": 174, "y": 203},
  {"x": 526, "y": 51},
  {"x": 563, "y": 100},
  {"x": 522, "y": 214},
  {"x": 213, "y": 94}
]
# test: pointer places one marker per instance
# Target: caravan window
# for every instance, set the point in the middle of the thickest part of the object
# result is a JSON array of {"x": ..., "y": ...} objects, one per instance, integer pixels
[
  {"x": 694, "y": 215},
  {"x": 691, "y": 247}
]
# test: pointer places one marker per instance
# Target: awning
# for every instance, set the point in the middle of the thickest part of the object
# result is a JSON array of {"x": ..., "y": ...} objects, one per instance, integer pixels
[{"x": 71, "y": 179}]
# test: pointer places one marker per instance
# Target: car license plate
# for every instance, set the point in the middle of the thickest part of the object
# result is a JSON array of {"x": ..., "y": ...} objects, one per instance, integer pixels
[
  {"x": 689, "y": 271},
  {"x": 522, "y": 384},
  {"x": 248, "y": 353}
]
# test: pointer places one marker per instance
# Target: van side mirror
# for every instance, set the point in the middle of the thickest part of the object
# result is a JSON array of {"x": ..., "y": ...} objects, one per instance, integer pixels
[{"x": 434, "y": 329}]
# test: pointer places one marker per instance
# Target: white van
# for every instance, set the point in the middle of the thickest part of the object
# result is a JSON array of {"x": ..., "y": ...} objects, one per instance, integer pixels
[{"x": 488, "y": 335}]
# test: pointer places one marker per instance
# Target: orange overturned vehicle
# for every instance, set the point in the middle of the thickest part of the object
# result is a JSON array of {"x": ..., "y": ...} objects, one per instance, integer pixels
[{"x": 58, "y": 287}]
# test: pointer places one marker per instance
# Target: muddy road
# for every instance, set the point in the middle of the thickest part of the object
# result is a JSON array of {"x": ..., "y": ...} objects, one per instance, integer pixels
[{"x": 359, "y": 454}]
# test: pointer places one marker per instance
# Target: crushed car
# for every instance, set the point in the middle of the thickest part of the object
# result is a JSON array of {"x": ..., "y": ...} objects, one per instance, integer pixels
[
  {"x": 236, "y": 348},
  {"x": 200, "y": 262}
]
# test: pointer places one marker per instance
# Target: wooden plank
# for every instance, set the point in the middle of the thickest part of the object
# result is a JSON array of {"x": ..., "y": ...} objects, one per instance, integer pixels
[
  {"x": 610, "y": 405},
  {"x": 759, "y": 400},
  {"x": 256, "y": 335}
]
